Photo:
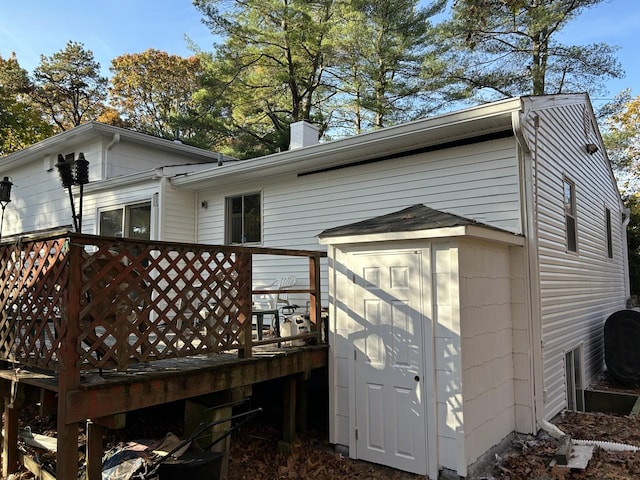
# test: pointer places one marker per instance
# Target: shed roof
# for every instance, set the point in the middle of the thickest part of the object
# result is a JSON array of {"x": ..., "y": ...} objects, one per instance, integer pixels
[{"x": 422, "y": 222}]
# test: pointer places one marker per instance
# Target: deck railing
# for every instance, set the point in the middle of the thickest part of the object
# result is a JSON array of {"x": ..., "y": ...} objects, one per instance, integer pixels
[{"x": 84, "y": 302}]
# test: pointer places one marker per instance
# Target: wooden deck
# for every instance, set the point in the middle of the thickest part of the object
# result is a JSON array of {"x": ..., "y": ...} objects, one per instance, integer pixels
[
  {"x": 108, "y": 326},
  {"x": 111, "y": 392}
]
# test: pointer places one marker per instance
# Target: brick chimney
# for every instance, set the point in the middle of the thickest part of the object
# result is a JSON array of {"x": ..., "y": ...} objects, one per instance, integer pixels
[{"x": 303, "y": 134}]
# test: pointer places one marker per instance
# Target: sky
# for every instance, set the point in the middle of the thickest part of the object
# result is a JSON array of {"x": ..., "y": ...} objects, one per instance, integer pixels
[{"x": 31, "y": 28}]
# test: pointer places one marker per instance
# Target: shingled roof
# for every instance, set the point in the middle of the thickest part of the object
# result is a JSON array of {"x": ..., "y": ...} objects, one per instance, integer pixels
[{"x": 415, "y": 218}]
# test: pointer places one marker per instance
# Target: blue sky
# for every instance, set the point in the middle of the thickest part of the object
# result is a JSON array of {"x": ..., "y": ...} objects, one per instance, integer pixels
[{"x": 109, "y": 29}]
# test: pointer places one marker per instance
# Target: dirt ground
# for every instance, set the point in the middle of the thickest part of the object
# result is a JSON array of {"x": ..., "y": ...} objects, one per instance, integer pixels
[{"x": 254, "y": 453}]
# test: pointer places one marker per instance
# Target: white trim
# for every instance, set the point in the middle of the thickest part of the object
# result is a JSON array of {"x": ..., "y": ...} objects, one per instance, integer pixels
[{"x": 472, "y": 231}]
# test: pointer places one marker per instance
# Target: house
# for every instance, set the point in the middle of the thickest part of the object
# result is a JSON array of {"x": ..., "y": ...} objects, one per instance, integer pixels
[
  {"x": 503, "y": 236},
  {"x": 128, "y": 191}
]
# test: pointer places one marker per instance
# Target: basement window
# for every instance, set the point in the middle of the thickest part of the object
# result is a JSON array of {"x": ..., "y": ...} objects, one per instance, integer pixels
[
  {"x": 573, "y": 378},
  {"x": 570, "y": 215}
]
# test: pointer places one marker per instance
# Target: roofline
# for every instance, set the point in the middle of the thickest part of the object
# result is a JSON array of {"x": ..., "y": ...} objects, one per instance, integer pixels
[
  {"x": 469, "y": 231},
  {"x": 97, "y": 128},
  {"x": 322, "y": 151}
]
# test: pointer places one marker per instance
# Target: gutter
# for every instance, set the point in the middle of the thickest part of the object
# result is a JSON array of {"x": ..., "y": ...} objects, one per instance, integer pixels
[
  {"x": 112, "y": 143},
  {"x": 625, "y": 223}
]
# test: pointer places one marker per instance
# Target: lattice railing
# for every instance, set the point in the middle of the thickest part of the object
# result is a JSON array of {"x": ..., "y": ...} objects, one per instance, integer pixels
[
  {"x": 87, "y": 302},
  {"x": 33, "y": 276},
  {"x": 142, "y": 301}
]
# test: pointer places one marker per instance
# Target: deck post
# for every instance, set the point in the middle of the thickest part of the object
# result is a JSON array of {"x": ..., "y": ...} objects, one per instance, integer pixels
[
  {"x": 302, "y": 401},
  {"x": 95, "y": 433},
  {"x": 315, "y": 307},
  {"x": 244, "y": 262},
  {"x": 69, "y": 376},
  {"x": 288, "y": 413},
  {"x": 10, "y": 439}
]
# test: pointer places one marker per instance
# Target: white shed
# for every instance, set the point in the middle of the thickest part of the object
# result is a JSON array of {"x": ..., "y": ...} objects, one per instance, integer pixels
[{"x": 423, "y": 306}]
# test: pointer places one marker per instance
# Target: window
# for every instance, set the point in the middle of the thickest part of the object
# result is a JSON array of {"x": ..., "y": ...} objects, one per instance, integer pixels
[
  {"x": 570, "y": 215},
  {"x": 573, "y": 377},
  {"x": 131, "y": 221},
  {"x": 609, "y": 239},
  {"x": 244, "y": 222}
]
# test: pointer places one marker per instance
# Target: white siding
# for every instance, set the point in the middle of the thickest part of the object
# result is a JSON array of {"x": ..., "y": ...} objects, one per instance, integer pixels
[
  {"x": 126, "y": 195},
  {"x": 38, "y": 200},
  {"x": 448, "y": 357},
  {"x": 478, "y": 181},
  {"x": 341, "y": 353},
  {"x": 578, "y": 291},
  {"x": 178, "y": 214},
  {"x": 125, "y": 158},
  {"x": 487, "y": 346}
]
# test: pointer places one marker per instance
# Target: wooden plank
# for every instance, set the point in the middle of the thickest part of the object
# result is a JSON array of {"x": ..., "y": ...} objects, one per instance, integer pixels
[
  {"x": 288, "y": 414},
  {"x": 95, "y": 433},
  {"x": 33, "y": 466},
  {"x": 69, "y": 375},
  {"x": 104, "y": 399},
  {"x": 10, "y": 440},
  {"x": 112, "y": 422}
]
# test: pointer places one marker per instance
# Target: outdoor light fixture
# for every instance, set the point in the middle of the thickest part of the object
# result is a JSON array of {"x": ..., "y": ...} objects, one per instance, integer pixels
[
  {"x": 5, "y": 198},
  {"x": 74, "y": 173},
  {"x": 592, "y": 148}
]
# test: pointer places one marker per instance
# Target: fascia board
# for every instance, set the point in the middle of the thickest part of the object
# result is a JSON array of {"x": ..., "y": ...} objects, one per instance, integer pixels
[{"x": 470, "y": 231}]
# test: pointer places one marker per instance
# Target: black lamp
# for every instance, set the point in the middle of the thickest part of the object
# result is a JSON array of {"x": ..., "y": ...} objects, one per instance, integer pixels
[
  {"x": 68, "y": 180},
  {"x": 5, "y": 198}
]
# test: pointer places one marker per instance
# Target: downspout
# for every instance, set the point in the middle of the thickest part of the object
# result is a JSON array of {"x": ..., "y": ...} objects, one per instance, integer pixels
[
  {"x": 625, "y": 252},
  {"x": 530, "y": 219},
  {"x": 114, "y": 141}
]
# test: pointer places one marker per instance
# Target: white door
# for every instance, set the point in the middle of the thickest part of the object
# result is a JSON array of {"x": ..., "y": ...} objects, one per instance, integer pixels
[{"x": 389, "y": 377}]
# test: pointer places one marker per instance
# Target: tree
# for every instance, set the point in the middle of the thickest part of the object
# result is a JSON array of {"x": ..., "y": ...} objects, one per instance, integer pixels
[
  {"x": 378, "y": 63},
  {"x": 503, "y": 48},
  {"x": 622, "y": 140},
  {"x": 621, "y": 137},
  {"x": 21, "y": 122},
  {"x": 69, "y": 87},
  {"x": 154, "y": 92},
  {"x": 270, "y": 67}
]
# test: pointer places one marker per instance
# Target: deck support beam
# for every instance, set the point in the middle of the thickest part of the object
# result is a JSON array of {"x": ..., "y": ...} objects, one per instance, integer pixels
[
  {"x": 10, "y": 439},
  {"x": 95, "y": 434},
  {"x": 288, "y": 413}
]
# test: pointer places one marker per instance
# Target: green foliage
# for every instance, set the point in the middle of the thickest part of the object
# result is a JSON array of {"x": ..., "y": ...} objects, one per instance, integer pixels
[
  {"x": 270, "y": 67},
  {"x": 377, "y": 68},
  {"x": 21, "y": 122},
  {"x": 504, "y": 48},
  {"x": 632, "y": 202},
  {"x": 68, "y": 86},
  {"x": 347, "y": 65},
  {"x": 622, "y": 141},
  {"x": 154, "y": 93}
]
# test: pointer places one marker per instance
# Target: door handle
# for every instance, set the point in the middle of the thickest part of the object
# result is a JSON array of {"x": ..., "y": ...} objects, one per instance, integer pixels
[{"x": 417, "y": 378}]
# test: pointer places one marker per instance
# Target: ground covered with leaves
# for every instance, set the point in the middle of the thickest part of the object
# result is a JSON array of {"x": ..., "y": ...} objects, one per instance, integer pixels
[{"x": 255, "y": 455}]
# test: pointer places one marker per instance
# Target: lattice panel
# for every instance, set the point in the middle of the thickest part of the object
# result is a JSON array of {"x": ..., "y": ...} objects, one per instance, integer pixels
[
  {"x": 141, "y": 302},
  {"x": 94, "y": 302},
  {"x": 33, "y": 279}
]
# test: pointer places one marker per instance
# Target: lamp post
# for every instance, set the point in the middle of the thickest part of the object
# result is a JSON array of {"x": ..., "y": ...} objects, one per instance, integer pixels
[
  {"x": 5, "y": 198},
  {"x": 69, "y": 178}
]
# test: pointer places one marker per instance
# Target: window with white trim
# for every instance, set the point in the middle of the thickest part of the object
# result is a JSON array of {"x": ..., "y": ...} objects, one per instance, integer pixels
[
  {"x": 607, "y": 219},
  {"x": 573, "y": 379},
  {"x": 571, "y": 229},
  {"x": 244, "y": 219},
  {"x": 129, "y": 221}
]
